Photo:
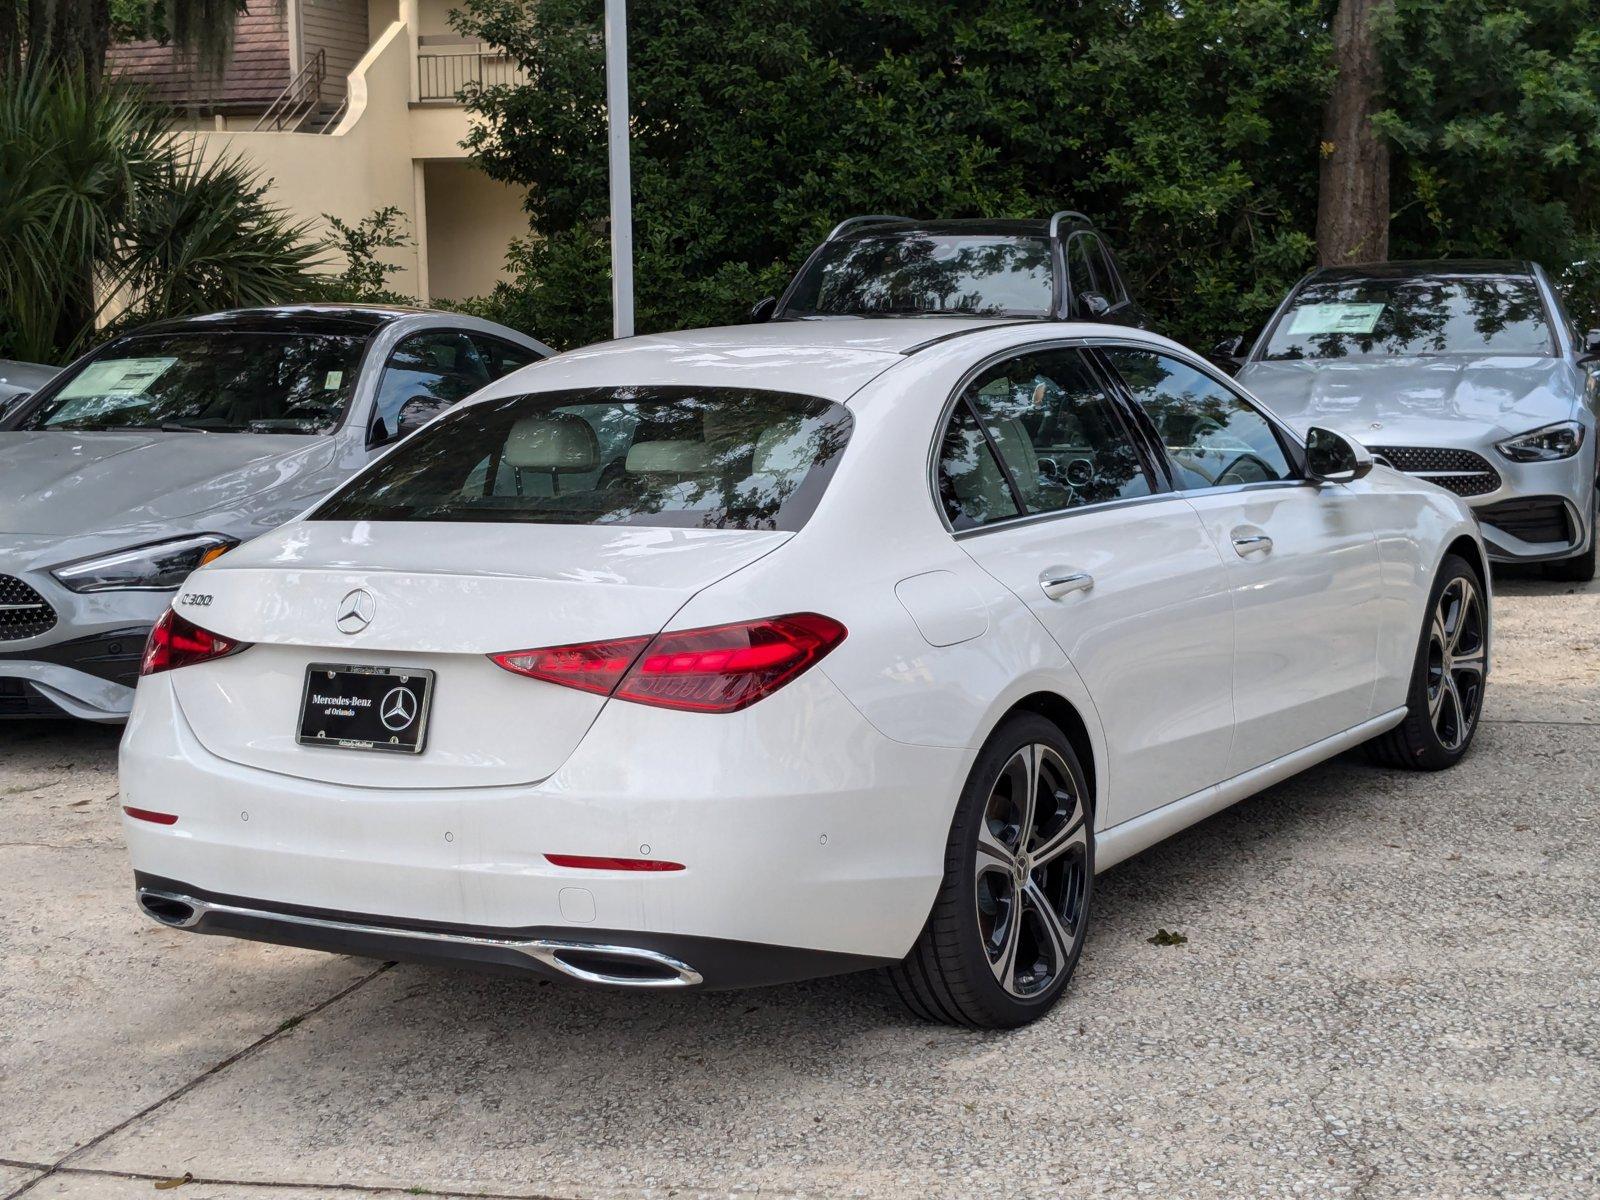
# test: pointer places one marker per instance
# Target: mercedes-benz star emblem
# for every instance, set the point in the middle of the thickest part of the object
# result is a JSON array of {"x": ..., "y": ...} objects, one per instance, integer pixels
[
  {"x": 356, "y": 611},
  {"x": 398, "y": 710}
]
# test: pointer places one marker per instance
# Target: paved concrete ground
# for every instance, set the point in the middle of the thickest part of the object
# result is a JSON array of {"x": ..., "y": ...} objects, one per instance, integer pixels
[{"x": 1390, "y": 988}]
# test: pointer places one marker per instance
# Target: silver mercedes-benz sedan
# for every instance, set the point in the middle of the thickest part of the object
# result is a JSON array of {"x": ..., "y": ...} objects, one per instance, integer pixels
[
  {"x": 1467, "y": 374},
  {"x": 170, "y": 445}
]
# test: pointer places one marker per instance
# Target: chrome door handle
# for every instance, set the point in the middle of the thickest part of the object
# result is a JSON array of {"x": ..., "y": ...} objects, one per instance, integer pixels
[
  {"x": 1058, "y": 582},
  {"x": 1250, "y": 543}
]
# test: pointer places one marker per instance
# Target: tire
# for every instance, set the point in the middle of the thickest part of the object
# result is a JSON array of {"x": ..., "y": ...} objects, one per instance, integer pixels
[
  {"x": 1445, "y": 700},
  {"x": 1580, "y": 567},
  {"x": 951, "y": 975}
]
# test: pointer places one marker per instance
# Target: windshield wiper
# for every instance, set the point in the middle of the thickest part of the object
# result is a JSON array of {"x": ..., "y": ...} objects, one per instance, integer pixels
[{"x": 180, "y": 427}]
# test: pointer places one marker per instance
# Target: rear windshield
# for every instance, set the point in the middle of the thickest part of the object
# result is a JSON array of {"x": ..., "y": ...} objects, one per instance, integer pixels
[
  {"x": 686, "y": 457},
  {"x": 1431, "y": 315},
  {"x": 927, "y": 273},
  {"x": 218, "y": 382}
]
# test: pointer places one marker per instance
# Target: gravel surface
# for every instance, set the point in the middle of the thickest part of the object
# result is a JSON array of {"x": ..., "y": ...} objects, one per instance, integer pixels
[{"x": 1389, "y": 988}]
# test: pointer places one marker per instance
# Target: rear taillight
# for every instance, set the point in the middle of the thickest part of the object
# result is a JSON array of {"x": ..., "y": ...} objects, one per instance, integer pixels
[
  {"x": 588, "y": 666},
  {"x": 718, "y": 669},
  {"x": 175, "y": 642}
]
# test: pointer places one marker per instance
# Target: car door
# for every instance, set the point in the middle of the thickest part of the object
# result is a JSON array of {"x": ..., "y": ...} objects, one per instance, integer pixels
[
  {"x": 1302, "y": 557},
  {"x": 437, "y": 368},
  {"x": 1046, "y": 487}
]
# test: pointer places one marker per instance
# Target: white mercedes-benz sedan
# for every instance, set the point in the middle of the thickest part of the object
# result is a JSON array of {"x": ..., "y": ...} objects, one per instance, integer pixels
[{"x": 738, "y": 656}]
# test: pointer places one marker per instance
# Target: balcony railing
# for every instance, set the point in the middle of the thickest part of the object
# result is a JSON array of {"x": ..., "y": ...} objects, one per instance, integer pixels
[{"x": 441, "y": 73}]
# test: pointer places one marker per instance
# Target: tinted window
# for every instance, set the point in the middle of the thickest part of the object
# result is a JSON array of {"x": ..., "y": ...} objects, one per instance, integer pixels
[
  {"x": 1057, "y": 432},
  {"x": 1213, "y": 437},
  {"x": 1079, "y": 275},
  {"x": 921, "y": 272},
  {"x": 502, "y": 358},
  {"x": 709, "y": 458},
  {"x": 972, "y": 488},
  {"x": 223, "y": 382},
  {"x": 1462, "y": 314},
  {"x": 443, "y": 368},
  {"x": 1104, "y": 273}
]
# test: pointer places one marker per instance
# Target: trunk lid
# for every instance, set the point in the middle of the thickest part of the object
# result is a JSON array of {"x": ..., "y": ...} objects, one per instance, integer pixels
[{"x": 441, "y": 597}]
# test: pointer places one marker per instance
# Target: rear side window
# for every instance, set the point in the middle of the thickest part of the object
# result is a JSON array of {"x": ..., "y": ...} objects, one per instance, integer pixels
[
  {"x": 684, "y": 457},
  {"x": 972, "y": 488},
  {"x": 442, "y": 368},
  {"x": 503, "y": 357}
]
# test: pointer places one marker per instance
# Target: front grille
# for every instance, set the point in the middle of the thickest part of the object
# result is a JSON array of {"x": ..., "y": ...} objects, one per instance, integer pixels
[
  {"x": 1535, "y": 519},
  {"x": 1459, "y": 471},
  {"x": 23, "y": 612},
  {"x": 19, "y": 698}
]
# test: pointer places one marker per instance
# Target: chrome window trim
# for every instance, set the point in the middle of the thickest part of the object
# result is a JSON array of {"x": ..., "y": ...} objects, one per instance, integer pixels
[{"x": 1128, "y": 502}]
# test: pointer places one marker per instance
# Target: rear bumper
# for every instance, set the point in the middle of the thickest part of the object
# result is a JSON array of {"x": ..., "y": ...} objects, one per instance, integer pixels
[
  {"x": 606, "y": 957},
  {"x": 811, "y": 843}
]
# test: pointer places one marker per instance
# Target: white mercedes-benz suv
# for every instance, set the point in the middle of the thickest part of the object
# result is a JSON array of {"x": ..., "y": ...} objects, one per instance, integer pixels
[{"x": 737, "y": 656}]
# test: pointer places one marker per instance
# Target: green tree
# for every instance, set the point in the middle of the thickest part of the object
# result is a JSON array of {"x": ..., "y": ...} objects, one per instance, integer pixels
[
  {"x": 1193, "y": 131},
  {"x": 1188, "y": 131},
  {"x": 1493, "y": 111},
  {"x": 100, "y": 208},
  {"x": 73, "y": 34}
]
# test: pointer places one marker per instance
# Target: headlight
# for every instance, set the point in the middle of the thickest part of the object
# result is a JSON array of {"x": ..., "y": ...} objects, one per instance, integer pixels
[
  {"x": 1544, "y": 445},
  {"x": 160, "y": 567}
]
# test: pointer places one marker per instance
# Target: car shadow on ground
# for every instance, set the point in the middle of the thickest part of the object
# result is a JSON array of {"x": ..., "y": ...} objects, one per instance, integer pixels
[{"x": 1154, "y": 890}]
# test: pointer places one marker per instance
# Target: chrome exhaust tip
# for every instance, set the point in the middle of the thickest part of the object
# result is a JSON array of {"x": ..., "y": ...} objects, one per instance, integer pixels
[{"x": 175, "y": 911}]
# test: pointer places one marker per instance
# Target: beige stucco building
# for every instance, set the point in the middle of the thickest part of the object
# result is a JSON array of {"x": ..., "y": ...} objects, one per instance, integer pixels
[{"x": 349, "y": 106}]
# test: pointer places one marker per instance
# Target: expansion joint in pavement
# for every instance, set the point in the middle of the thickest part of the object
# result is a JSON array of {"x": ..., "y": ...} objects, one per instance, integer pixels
[
  {"x": 353, "y": 1189},
  {"x": 61, "y": 1165}
]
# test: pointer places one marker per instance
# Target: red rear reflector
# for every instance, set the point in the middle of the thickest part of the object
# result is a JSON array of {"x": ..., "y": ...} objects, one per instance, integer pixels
[
  {"x": 720, "y": 668},
  {"x": 175, "y": 642},
  {"x": 144, "y": 814},
  {"x": 590, "y": 863}
]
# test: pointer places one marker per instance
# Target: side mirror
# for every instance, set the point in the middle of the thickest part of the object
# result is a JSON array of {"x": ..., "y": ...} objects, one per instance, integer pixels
[
  {"x": 1334, "y": 458},
  {"x": 763, "y": 310},
  {"x": 1591, "y": 347},
  {"x": 1094, "y": 304},
  {"x": 417, "y": 412}
]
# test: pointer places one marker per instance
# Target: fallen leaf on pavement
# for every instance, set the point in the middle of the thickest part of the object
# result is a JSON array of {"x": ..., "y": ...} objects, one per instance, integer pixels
[
  {"x": 166, "y": 1185},
  {"x": 1164, "y": 938}
]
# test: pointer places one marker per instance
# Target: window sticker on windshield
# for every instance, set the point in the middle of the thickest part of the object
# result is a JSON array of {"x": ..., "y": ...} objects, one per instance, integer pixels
[
  {"x": 117, "y": 377},
  {"x": 1336, "y": 318},
  {"x": 332, "y": 380}
]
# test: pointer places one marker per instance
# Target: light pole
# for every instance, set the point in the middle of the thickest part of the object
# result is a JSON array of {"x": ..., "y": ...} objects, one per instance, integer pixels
[{"x": 621, "y": 177}]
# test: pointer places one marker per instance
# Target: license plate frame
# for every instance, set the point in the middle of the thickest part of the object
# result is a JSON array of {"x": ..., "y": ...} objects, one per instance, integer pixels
[{"x": 358, "y": 704}]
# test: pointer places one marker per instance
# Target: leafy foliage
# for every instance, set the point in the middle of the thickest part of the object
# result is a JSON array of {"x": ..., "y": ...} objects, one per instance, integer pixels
[
  {"x": 99, "y": 208},
  {"x": 758, "y": 124},
  {"x": 365, "y": 278},
  {"x": 1188, "y": 129},
  {"x": 1494, "y": 113}
]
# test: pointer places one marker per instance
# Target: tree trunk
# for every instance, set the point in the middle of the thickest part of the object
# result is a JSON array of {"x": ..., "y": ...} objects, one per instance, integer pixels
[
  {"x": 70, "y": 34},
  {"x": 10, "y": 38},
  {"x": 1353, "y": 190}
]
